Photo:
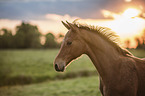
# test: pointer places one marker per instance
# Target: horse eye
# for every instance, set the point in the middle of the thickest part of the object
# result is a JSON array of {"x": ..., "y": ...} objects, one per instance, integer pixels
[{"x": 69, "y": 43}]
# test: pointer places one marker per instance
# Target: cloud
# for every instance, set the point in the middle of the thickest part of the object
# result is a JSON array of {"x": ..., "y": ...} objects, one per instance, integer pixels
[
  {"x": 10, "y": 24},
  {"x": 52, "y": 23},
  {"x": 57, "y": 17},
  {"x": 72, "y": 0},
  {"x": 30, "y": 9},
  {"x": 26, "y": 0},
  {"x": 40, "y": 0}
]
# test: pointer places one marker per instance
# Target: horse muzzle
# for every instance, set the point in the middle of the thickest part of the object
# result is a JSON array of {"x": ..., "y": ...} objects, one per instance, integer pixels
[
  {"x": 59, "y": 69},
  {"x": 59, "y": 65}
]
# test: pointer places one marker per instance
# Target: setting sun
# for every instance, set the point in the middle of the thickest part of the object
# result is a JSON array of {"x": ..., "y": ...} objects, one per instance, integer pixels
[
  {"x": 131, "y": 12},
  {"x": 127, "y": 24}
]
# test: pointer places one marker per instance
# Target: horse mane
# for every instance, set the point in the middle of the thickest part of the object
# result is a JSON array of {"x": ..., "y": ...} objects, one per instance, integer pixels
[{"x": 107, "y": 34}]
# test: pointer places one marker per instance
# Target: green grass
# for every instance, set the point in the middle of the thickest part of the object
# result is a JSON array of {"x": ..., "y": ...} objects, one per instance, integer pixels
[
  {"x": 28, "y": 62},
  {"x": 37, "y": 65},
  {"x": 138, "y": 53},
  {"x": 85, "y": 86}
]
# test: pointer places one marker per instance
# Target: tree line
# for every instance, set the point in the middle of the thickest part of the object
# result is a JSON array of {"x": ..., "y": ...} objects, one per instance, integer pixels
[
  {"x": 26, "y": 36},
  {"x": 140, "y": 41}
]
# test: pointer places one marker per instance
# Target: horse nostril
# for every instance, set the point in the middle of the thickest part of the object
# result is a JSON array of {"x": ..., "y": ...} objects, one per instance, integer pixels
[
  {"x": 59, "y": 69},
  {"x": 56, "y": 67}
]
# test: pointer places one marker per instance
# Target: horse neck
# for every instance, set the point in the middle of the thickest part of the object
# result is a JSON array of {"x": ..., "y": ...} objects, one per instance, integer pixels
[{"x": 102, "y": 54}]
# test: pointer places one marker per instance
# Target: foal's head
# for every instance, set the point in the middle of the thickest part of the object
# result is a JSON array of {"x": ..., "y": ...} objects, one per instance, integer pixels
[{"x": 71, "y": 48}]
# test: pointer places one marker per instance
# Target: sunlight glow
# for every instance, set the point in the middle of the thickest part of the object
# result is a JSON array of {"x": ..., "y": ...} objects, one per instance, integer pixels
[
  {"x": 128, "y": 13},
  {"x": 131, "y": 12},
  {"x": 126, "y": 24},
  {"x": 108, "y": 14},
  {"x": 128, "y": 0}
]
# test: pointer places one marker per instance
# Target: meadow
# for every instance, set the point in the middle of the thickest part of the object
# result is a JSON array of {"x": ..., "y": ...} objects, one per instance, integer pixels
[{"x": 31, "y": 73}]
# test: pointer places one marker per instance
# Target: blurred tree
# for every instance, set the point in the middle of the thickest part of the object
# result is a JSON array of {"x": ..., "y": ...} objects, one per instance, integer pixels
[
  {"x": 137, "y": 39},
  {"x": 141, "y": 41},
  {"x": 50, "y": 41},
  {"x": 27, "y": 36},
  {"x": 143, "y": 37},
  {"x": 61, "y": 35},
  {"x": 60, "y": 39},
  {"x": 6, "y": 39},
  {"x": 127, "y": 42}
]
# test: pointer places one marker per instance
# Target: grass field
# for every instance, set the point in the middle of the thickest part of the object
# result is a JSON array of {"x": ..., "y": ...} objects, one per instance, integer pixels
[
  {"x": 31, "y": 66},
  {"x": 138, "y": 53},
  {"x": 35, "y": 69},
  {"x": 85, "y": 86}
]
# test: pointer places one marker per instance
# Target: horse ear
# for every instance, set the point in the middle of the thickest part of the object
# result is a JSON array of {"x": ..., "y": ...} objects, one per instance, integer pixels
[
  {"x": 71, "y": 26},
  {"x": 65, "y": 25}
]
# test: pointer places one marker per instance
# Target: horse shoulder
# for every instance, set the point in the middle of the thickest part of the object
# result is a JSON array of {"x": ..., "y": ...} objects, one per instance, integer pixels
[
  {"x": 126, "y": 80},
  {"x": 128, "y": 63},
  {"x": 140, "y": 66}
]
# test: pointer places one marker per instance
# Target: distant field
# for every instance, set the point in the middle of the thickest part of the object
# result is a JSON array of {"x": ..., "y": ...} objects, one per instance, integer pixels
[
  {"x": 138, "y": 53},
  {"x": 84, "y": 86},
  {"x": 36, "y": 66},
  {"x": 30, "y": 66}
]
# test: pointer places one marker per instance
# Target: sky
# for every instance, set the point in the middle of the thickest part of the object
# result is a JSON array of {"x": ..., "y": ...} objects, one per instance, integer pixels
[
  {"x": 37, "y": 9},
  {"x": 47, "y": 14}
]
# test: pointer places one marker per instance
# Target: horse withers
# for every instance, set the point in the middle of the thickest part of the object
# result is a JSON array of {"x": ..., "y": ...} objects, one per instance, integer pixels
[{"x": 120, "y": 73}]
